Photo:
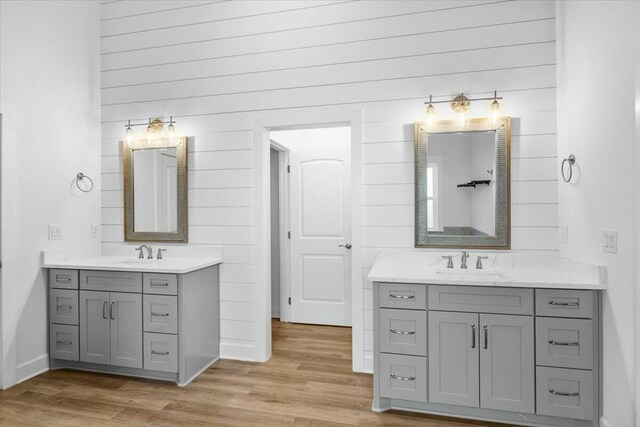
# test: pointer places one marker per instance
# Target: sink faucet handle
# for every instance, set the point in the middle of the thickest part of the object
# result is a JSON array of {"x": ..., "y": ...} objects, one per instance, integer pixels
[
  {"x": 160, "y": 250},
  {"x": 140, "y": 254},
  {"x": 465, "y": 256},
  {"x": 479, "y": 262},
  {"x": 450, "y": 262},
  {"x": 150, "y": 256}
]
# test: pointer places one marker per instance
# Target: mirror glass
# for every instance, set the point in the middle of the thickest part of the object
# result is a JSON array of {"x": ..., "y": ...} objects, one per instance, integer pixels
[
  {"x": 155, "y": 190},
  {"x": 462, "y": 184},
  {"x": 155, "y": 195}
]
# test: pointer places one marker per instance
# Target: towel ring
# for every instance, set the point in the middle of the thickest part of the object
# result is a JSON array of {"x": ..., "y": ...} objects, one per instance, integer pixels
[
  {"x": 571, "y": 160},
  {"x": 79, "y": 177}
]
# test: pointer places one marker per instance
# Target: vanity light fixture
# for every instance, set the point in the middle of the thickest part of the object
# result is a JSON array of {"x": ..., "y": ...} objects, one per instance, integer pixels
[
  {"x": 153, "y": 130},
  {"x": 461, "y": 105}
]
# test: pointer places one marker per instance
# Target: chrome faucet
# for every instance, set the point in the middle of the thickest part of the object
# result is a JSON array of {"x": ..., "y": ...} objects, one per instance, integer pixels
[
  {"x": 449, "y": 259},
  {"x": 465, "y": 256},
  {"x": 479, "y": 262},
  {"x": 141, "y": 254},
  {"x": 160, "y": 250}
]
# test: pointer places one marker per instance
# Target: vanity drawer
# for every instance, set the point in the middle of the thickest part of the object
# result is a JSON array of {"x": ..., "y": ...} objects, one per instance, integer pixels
[
  {"x": 111, "y": 281},
  {"x": 63, "y": 279},
  {"x": 162, "y": 284},
  {"x": 566, "y": 343},
  {"x": 160, "y": 313},
  {"x": 481, "y": 299},
  {"x": 564, "y": 303},
  {"x": 64, "y": 342},
  {"x": 566, "y": 393},
  {"x": 63, "y": 306},
  {"x": 161, "y": 352},
  {"x": 403, "y": 377},
  {"x": 403, "y": 331},
  {"x": 400, "y": 295}
]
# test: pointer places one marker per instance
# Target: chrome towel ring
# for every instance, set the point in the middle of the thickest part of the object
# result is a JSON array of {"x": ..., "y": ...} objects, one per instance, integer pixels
[
  {"x": 571, "y": 160},
  {"x": 81, "y": 177}
]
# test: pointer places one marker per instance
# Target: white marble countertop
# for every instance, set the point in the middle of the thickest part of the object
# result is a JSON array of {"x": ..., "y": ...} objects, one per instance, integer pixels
[
  {"x": 522, "y": 270},
  {"x": 176, "y": 260}
]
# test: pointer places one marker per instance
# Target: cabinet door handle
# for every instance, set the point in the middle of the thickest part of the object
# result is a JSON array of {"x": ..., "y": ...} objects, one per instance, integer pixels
[
  {"x": 64, "y": 342},
  {"x": 473, "y": 336},
  {"x": 565, "y": 304},
  {"x": 104, "y": 310},
  {"x": 160, "y": 353},
  {"x": 159, "y": 314},
  {"x": 394, "y": 296},
  {"x": 572, "y": 344},
  {"x": 113, "y": 311},
  {"x": 64, "y": 307},
  {"x": 562, "y": 393},
  {"x": 486, "y": 336},
  {"x": 395, "y": 331},
  {"x": 397, "y": 377}
]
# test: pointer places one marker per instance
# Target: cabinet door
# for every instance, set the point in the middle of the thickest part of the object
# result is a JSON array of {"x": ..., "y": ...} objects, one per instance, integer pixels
[
  {"x": 94, "y": 327},
  {"x": 507, "y": 369},
  {"x": 125, "y": 312},
  {"x": 453, "y": 358}
]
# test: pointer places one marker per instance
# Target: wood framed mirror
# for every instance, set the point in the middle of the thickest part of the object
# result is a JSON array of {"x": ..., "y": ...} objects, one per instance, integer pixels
[
  {"x": 155, "y": 190},
  {"x": 462, "y": 184}
]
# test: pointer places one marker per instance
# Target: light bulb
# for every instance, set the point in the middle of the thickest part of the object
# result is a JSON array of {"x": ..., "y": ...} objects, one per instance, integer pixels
[
  {"x": 171, "y": 129},
  {"x": 495, "y": 108},
  {"x": 149, "y": 133},
  {"x": 462, "y": 117},
  {"x": 430, "y": 112},
  {"x": 128, "y": 134}
]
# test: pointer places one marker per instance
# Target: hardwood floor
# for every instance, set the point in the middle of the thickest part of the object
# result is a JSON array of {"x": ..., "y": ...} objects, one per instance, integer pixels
[{"x": 307, "y": 382}]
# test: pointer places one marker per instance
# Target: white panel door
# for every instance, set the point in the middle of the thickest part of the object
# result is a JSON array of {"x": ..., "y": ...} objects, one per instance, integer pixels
[{"x": 320, "y": 181}]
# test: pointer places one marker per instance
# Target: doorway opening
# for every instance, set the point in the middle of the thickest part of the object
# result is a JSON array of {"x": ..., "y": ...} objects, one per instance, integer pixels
[{"x": 310, "y": 186}]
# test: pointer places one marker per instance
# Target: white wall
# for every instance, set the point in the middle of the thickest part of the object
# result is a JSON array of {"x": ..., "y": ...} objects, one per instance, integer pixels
[
  {"x": 596, "y": 116},
  {"x": 274, "y": 172},
  {"x": 50, "y": 102},
  {"x": 216, "y": 67}
]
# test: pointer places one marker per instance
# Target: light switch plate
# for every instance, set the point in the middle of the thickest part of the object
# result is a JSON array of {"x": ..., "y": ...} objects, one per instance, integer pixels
[
  {"x": 610, "y": 241},
  {"x": 55, "y": 232}
]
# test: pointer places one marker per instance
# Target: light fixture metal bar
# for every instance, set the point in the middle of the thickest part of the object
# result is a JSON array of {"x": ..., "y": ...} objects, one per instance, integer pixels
[
  {"x": 451, "y": 100},
  {"x": 129, "y": 124}
]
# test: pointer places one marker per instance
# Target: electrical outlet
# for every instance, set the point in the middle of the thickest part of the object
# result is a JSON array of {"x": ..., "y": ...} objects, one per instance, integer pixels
[
  {"x": 95, "y": 231},
  {"x": 55, "y": 232},
  {"x": 610, "y": 241}
]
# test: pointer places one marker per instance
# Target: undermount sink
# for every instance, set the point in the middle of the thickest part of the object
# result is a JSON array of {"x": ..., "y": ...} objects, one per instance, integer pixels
[
  {"x": 135, "y": 261},
  {"x": 473, "y": 273}
]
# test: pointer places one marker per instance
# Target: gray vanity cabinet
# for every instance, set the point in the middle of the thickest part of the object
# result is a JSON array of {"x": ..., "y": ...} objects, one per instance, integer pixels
[{"x": 152, "y": 325}]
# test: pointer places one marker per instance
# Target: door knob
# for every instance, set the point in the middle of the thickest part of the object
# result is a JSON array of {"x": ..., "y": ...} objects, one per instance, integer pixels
[{"x": 348, "y": 246}]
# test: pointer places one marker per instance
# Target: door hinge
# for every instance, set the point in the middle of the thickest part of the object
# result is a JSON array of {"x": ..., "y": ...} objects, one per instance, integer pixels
[
  {"x": 288, "y": 234},
  {"x": 288, "y": 168},
  {"x": 289, "y": 300}
]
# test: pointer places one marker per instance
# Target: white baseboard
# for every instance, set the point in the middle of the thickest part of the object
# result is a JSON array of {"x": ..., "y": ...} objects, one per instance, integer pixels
[
  {"x": 605, "y": 423},
  {"x": 32, "y": 368},
  {"x": 238, "y": 351}
]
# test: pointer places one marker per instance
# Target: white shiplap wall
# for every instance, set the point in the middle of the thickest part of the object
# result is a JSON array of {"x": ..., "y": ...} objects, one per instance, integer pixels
[{"x": 215, "y": 66}]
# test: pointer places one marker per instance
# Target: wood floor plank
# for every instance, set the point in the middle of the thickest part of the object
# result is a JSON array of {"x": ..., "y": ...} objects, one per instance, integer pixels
[{"x": 307, "y": 382}]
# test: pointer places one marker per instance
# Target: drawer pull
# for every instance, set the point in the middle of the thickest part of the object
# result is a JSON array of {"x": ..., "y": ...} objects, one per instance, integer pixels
[
  {"x": 64, "y": 342},
  {"x": 395, "y": 331},
  {"x": 159, "y": 314},
  {"x": 160, "y": 353},
  {"x": 397, "y": 377},
  {"x": 394, "y": 296},
  {"x": 572, "y": 344},
  {"x": 104, "y": 309},
  {"x": 64, "y": 307},
  {"x": 473, "y": 336},
  {"x": 565, "y": 304},
  {"x": 63, "y": 279},
  {"x": 562, "y": 393},
  {"x": 159, "y": 284}
]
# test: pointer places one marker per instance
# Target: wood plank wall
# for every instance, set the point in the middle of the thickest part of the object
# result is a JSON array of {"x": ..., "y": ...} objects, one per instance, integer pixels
[{"x": 216, "y": 65}]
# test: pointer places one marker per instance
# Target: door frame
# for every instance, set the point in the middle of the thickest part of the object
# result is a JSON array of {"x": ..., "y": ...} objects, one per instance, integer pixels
[
  {"x": 284, "y": 222},
  {"x": 262, "y": 200}
]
